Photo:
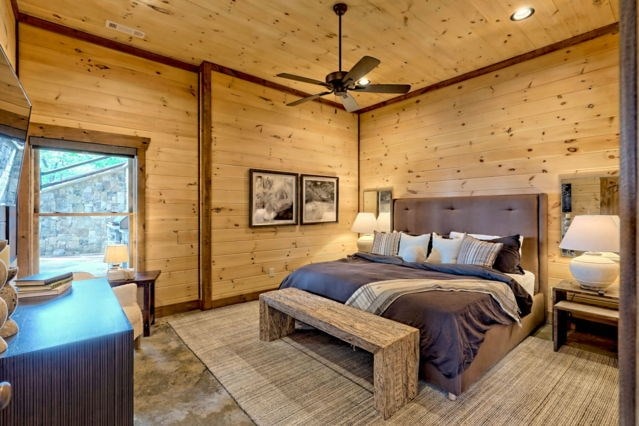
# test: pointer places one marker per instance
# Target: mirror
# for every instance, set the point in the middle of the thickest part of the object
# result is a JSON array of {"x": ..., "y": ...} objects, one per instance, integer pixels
[
  {"x": 596, "y": 194},
  {"x": 379, "y": 202}
]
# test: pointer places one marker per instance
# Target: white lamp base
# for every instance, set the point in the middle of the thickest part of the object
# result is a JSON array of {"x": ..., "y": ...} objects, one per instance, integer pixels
[
  {"x": 593, "y": 271},
  {"x": 365, "y": 243}
]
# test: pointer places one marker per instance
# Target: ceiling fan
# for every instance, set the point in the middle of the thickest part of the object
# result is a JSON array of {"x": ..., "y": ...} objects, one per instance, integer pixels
[{"x": 341, "y": 82}]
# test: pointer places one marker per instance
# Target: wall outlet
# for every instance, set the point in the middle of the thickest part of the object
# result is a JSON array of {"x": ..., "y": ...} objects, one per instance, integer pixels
[{"x": 271, "y": 272}]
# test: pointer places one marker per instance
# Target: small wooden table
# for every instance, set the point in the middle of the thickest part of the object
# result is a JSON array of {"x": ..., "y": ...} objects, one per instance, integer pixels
[
  {"x": 568, "y": 298},
  {"x": 146, "y": 280},
  {"x": 395, "y": 346}
]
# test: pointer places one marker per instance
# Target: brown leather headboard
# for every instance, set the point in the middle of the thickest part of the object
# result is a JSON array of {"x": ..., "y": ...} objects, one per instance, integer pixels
[{"x": 503, "y": 215}]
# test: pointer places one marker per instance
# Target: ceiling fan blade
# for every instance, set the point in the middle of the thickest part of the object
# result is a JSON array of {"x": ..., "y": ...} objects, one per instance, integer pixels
[
  {"x": 302, "y": 79},
  {"x": 360, "y": 69},
  {"x": 383, "y": 88},
  {"x": 349, "y": 102},
  {"x": 308, "y": 98}
]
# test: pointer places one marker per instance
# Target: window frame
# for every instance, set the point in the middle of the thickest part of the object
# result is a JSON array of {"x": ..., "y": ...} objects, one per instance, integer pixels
[{"x": 58, "y": 137}]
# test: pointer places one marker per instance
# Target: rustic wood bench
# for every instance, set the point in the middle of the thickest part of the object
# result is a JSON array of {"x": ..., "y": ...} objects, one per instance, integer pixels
[{"x": 395, "y": 346}]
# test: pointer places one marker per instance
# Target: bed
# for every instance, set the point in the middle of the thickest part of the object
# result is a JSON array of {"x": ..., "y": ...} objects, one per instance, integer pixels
[{"x": 463, "y": 340}]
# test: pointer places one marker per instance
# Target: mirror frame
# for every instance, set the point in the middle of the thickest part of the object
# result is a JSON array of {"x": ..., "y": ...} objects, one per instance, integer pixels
[{"x": 380, "y": 194}]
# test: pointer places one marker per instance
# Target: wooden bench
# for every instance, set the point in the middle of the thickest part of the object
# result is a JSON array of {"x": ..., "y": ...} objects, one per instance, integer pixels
[{"x": 395, "y": 346}]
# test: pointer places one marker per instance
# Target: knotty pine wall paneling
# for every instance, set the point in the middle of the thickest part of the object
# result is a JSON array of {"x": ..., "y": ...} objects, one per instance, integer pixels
[
  {"x": 253, "y": 128},
  {"x": 513, "y": 131},
  {"x": 8, "y": 31},
  {"x": 81, "y": 85}
]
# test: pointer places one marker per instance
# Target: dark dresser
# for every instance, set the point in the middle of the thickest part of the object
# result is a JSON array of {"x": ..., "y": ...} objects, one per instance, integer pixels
[{"x": 71, "y": 363}]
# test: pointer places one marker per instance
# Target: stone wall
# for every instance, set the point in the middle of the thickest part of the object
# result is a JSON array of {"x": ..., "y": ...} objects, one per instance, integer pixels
[{"x": 80, "y": 235}]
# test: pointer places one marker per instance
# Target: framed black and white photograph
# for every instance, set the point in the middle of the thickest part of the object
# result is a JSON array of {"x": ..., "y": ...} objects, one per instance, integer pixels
[
  {"x": 272, "y": 198},
  {"x": 319, "y": 199}
]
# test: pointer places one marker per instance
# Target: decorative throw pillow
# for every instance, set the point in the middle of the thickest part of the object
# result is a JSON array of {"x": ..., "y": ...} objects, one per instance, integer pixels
[
  {"x": 477, "y": 252},
  {"x": 445, "y": 250},
  {"x": 485, "y": 237},
  {"x": 386, "y": 243},
  {"x": 406, "y": 241},
  {"x": 508, "y": 260}
]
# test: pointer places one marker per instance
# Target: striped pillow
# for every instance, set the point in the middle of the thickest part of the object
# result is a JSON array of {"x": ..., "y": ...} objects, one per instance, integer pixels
[
  {"x": 386, "y": 243},
  {"x": 476, "y": 252}
]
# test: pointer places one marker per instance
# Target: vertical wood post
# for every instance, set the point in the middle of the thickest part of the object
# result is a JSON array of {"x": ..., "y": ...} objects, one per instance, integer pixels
[
  {"x": 205, "y": 160},
  {"x": 628, "y": 213}
]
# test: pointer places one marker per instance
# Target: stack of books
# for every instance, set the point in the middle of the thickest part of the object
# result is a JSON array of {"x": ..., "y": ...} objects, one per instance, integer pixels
[{"x": 43, "y": 285}]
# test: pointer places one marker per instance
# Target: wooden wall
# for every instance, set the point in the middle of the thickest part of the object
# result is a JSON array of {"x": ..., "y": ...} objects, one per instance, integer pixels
[
  {"x": 513, "y": 131},
  {"x": 76, "y": 84},
  {"x": 253, "y": 128},
  {"x": 8, "y": 31}
]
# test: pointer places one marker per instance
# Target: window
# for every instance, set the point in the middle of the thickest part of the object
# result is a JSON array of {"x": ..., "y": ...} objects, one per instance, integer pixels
[{"x": 83, "y": 201}]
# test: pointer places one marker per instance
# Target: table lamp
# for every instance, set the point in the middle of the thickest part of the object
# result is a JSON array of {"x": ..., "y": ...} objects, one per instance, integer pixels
[
  {"x": 115, "y": 255},
  {"x": 593, "y": 234},
  {"x": 365, "y": 224}
]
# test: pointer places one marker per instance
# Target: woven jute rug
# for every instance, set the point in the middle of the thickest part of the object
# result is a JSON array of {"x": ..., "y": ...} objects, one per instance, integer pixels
[{"x": 313, "y": 379}]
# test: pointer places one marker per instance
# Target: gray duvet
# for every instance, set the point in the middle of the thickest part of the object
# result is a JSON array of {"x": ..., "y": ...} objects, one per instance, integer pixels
[{"x": 452, "y": 324}]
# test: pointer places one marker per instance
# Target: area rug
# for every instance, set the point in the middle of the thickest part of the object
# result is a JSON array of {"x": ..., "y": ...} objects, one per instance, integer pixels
[{"x": 312, "y": 379}]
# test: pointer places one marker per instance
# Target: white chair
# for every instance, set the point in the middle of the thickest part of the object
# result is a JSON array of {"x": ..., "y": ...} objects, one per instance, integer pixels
[{"x": 127, "y": 295}]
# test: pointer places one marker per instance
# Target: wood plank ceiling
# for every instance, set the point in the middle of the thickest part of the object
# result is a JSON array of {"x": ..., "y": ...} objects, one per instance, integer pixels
[{"x": 419, "y": 42}]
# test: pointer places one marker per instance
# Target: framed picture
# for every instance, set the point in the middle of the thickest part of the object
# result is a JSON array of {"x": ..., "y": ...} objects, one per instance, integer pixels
[
  {"x": 319, "y": 199},
  {"x": 272, "y": 198}
]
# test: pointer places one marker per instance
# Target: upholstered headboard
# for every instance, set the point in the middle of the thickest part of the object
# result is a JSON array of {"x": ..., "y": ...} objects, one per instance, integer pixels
[{"x": 503, "y": 215}]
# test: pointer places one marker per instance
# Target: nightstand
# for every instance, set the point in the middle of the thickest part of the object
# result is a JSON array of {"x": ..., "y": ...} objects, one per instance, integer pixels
[
  {"x": 571, "y": 301},
  {"x": 146, "y": 280}
]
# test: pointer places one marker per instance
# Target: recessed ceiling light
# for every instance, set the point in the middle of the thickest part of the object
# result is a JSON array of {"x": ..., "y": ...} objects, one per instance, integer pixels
[
  {"x": 522, "y": 13},
  {"x": 363, "y": 81}
]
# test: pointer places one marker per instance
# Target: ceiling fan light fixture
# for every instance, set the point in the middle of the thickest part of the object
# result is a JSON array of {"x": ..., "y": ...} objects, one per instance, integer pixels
[{"x": 522, "y": 13}]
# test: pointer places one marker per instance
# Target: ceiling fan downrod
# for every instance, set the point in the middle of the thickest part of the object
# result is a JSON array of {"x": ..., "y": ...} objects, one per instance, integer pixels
[{"x": 340, "y": 9}]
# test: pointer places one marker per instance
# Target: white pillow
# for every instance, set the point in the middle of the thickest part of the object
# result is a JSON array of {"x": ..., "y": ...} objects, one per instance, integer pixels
[
  {"x": 415, "y": 253},
  {"x": 444, "y": 250},
  {"x": 406, "y": 241}
]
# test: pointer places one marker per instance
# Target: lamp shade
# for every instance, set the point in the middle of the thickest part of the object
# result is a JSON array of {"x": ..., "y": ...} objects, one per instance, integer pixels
[
  {"x": 595, "y": 233},
  {"x": 365, "y": 223},
  {"x": 116, "y": 253}
]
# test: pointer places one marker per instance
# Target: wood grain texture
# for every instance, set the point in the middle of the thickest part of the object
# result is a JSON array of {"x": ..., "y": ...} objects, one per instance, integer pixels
[
  {"x": 253, "y": 128},
  {"x": 395, "y": 346},
  {"x": 629, "y": 177},
  {"x": 8, "y": 40},
  {"x": 420, "y": 43},
  {"x": 205, "y": 160},
  {"x": 79, "y": 85},
  {"x": 514, "y": 131}
]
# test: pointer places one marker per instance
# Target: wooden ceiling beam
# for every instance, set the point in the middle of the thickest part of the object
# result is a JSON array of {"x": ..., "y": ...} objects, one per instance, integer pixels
[{"x": 608, "y": 29}]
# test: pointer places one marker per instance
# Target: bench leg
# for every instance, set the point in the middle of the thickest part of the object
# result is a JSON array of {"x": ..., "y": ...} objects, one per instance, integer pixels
[
  {"x": 273, "y": 323},
  {"x": 395, "y": 375}
]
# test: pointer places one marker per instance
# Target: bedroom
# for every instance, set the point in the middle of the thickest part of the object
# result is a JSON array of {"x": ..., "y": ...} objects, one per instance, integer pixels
[{"x": 81, "y": 84}]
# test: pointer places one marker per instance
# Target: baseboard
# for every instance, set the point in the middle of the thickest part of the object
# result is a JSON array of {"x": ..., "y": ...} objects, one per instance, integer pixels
[
  {"x": 241, "y": 298},
  {"x": 162, "y": 311},
  {"x": 178, "y": 308}
]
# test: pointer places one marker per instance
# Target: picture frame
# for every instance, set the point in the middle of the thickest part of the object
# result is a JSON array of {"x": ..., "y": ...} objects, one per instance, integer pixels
[
  {"x": 272, "y": 198},
  {"x": 319, "y": 199}
]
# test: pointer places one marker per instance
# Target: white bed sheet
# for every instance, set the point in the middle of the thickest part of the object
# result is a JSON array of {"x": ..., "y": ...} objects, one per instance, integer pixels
[{"x": 527, "y": 281}]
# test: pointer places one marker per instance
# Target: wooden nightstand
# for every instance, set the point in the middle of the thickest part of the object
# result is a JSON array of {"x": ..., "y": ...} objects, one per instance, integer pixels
[{"x": 570, "y": 300}]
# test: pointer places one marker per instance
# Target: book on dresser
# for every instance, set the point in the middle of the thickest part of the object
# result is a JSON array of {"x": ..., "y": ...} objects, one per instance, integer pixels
[
  {"x": 43, "y": 279},
  {"x": 43, "y": 285}
]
